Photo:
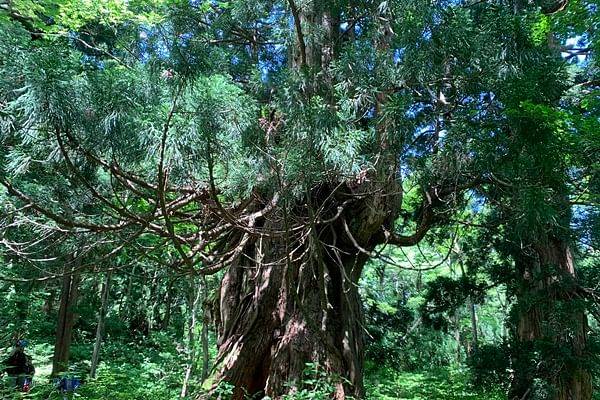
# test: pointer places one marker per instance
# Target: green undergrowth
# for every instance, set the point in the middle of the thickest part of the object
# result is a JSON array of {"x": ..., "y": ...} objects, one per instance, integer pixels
[
  {"x": 129, "y": 382},
  {"x": 441, "y": 384},
  {"x": 132, "y": 371},
  {"x": 128, "y": 371}
]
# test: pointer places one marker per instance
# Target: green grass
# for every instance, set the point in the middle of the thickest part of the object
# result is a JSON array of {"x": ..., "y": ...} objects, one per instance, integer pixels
[
  {"x": 450, "y": 384},
  {"x": 126, "y": 373}
]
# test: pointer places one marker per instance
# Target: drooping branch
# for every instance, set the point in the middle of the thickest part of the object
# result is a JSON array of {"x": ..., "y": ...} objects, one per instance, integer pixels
[
  {"x": 26, "y": 22},
  {"x": 432, "y": 198},
  {"x": 64, "y": 221}
]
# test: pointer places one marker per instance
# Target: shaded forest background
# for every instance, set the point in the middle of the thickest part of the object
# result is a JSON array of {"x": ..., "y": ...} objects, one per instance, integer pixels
[{"x": 146, "y": 347}]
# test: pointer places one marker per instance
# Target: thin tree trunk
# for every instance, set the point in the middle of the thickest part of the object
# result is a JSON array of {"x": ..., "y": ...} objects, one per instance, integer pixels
[
  {"x": 457, "y": 336},
  {"x": 153, "y": 300},
  {"x": 100, "y": 326},
  {"x": 474, "y": 326},
  {"x": 48, "y": 307},
  {"x": 125, "y": 303},
  {"x": 193, "y": 301},
  {"x": 22, "y": 303},
  {"x": 505, "y": 312},
  {"x": 471, "y": 305},
  {"x": 166, "y": 319},
  {"x": 205, "y": 324},
  {"x": 66, "y": 317}
]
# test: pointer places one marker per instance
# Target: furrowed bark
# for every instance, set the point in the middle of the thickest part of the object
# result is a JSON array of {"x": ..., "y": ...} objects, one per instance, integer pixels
[
  {"x": 66, "y": 317},
  {"x": 548, "y": 315},
  {"x": 280, "y": 311}
]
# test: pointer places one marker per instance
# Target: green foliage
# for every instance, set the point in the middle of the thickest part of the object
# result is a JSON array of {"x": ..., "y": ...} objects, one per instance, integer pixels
[
  {"x": 316, "y": 384},
  {"x": 445, "y": 295},
  {"x": 490, "y": 366},
  {"x": 130, "y": 371},
  {"x": 441, "y": 384},
  {"x": 540, "y": 29},
  {"x": 431, "y": 95}
]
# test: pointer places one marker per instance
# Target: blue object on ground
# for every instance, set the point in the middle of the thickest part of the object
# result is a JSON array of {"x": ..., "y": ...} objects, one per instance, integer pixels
[{"x": 67, "y": 384}]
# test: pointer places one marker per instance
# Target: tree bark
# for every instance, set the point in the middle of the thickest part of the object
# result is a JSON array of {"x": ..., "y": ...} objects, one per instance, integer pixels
[
  {"x": 280, "y": 311},
  {"x": 194, "y": 297},
  {"x": 474, "y": 332},
  {"x": 166, "y": 319},
  {"x": 548, "y": 313},
  {"x": 48, "y": 307},
  {"x": 472, "y": 311},
  {"x": 152, "y": 315},
  {"x": 66, "y": 317},
  {"x": 204, "y": 334},
  {"x": 285, "y": 301},
  {"x": 457, "y": 336},
  {"x": 125, "y": 303},
  {"x": 100, "y": 326}
]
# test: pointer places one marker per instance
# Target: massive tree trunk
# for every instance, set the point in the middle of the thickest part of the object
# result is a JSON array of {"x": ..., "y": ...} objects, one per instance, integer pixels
[
  {"x": 287, "y": 302},
  {"x": 291, "y": 299},
  {"x": 550, "y": 320}
]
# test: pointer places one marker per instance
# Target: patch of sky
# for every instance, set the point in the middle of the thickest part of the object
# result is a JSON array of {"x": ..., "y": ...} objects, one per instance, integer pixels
[
  {"x": 143, "y": 47},
  {"x": 477, "y": 202},
  {"x": 592, "y": 8},
  {"x": 580, "y": 222},
  {"x": 184, "y": 39},
  {"x": 427, "y": 33},
  {"x": 271, "y": 59},
  {"x": 344, "y": 26},
  {"x": 358, "y": 30},
  {"x": 572, "y": 45},
  {"x": 90, "y": 60},
  {"x": 161, "y": 49},
  {"x": 151, "y": 42},
  {"x": 485, "y": 105},
  {"x": 370, "y": 113},
  {"x": 418, "y": 146},
  {"x": 404, "y": 170},
  {"x": 399, "y": 55},
  {"x": 416, "y": 108}
]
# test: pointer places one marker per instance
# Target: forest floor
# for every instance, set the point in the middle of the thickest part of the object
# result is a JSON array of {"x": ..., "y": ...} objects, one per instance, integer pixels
[
  {"x": 442, "y": 384},
  {"x": 129, "y": 376}
]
